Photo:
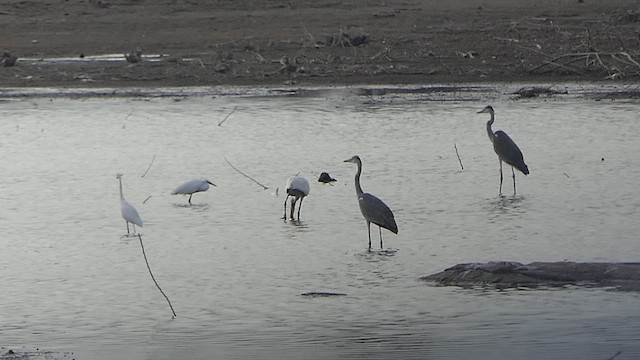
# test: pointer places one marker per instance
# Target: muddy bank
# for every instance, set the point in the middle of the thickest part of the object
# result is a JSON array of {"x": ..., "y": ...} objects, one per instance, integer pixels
[
  {"x": 505, "y": 274},
  {"x": 316, "y": 43}
]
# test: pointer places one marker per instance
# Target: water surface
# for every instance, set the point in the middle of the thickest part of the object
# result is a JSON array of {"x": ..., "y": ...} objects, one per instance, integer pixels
[{"x": 235, "y": 271}]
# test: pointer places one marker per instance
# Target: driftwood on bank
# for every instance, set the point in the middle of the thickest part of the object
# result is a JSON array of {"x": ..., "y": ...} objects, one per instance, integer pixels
[{"x": 506, "y": 274}]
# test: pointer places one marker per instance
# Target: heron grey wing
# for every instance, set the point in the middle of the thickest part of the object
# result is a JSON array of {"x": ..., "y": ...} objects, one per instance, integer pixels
[
  {"x": 508, "y": 151},
  {"x": 376, "y": 211}
]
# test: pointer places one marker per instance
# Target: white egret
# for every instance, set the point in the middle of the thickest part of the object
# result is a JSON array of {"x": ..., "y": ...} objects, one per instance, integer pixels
[
  {"x": 129, "y": 213},
  {"x": 298, "y": 188},
  {"x": 373, "y": 209},
  {"x": 192, "y": 186}
]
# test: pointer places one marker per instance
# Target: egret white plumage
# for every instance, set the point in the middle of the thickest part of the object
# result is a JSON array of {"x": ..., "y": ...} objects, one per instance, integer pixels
[
  {"x": 505, "y": 148},
  {"x": 192, "y": 186},
  {"x": 373, "y": 209},
  {"x": 129, "y": 213},
  {"x": 297, "y": 187}
]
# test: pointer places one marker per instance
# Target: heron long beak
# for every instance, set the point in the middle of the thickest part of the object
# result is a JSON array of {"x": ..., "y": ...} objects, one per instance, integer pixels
[
  {"x": 212, "y": 183},
  {"x": 348, "y": 160}
]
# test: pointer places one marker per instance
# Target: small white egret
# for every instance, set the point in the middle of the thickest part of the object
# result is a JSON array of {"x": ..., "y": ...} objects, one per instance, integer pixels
[
  {"x": 373, "y": 209},
  {"x": 191, "y": 187},
  {"x": 129, "y": 213},
  {"x": 298, "y": 188}
]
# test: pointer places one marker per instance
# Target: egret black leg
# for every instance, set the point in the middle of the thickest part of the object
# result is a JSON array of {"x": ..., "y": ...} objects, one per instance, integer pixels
[
  {"x": 126, "y": 222},
  {"x": 190, "y": 195},
  {"x": 380, "y": 230},
  {"x": 369, "y": 231}
]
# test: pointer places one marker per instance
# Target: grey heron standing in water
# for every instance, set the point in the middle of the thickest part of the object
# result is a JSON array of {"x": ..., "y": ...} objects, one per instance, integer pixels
[
  {"x": 373, "y": 209},
  {"x": 505, "y": 148},
  {"x": 298, "y": 188}
]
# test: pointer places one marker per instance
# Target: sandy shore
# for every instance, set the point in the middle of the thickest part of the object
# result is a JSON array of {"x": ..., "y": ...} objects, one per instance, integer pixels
[{"x": 206, "y": 43}]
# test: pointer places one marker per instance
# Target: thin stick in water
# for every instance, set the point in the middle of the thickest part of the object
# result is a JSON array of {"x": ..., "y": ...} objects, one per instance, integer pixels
[
  {"x": 245, "y": 175},
  {"x": 226, "y": 117},
  {"x": 152, "y": 160},
  {"x": 152, "y": 277},
  {"x": 458, "y": 155}
]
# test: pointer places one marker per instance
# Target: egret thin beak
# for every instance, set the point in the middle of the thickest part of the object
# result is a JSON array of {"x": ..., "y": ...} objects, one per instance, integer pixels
[
  {"x": 212, "y": 183},
  {"x": 348, "y": 160}
]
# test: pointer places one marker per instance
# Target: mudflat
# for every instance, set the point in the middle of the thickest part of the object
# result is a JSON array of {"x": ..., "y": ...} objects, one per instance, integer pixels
[{"x": 59, "y": 43}]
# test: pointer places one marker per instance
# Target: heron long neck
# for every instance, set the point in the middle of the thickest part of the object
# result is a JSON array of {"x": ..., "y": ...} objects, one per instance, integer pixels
[
  {"x": 489, "y": 123},
  {"x": 358, "y": 188},
  {"x": 121, "y": 196}
]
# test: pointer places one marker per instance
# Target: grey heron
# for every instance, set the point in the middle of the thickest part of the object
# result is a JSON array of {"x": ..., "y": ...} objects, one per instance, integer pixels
[
  {"x": 192, "y": 186},
  {"x": 129, "y": 213},
  {"x": 505, "y": 148},
  {"x": 298, "y": 188},
  {"x": 373, "y": 209}
]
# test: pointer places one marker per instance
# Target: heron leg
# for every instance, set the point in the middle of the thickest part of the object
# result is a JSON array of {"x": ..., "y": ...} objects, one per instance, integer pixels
[
  {"x": 380, "y": 229},
  {"x": 190, "y": 195},
  {"x": 134, "y": 229},
  {"x": 500, "y": 191},
  {"x": 126, "y": 222},
  {"x": 300, "y": 207},
  {"x": 369, "y": 231},
  {"x": 514, "y": 180}
]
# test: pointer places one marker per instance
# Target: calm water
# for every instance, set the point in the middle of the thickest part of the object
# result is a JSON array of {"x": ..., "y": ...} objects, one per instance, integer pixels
[{"x": 234, "y": 270}]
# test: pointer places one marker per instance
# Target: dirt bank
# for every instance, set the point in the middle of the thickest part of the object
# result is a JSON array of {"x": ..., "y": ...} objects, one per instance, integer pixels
[{"x": 318, "y": 42}]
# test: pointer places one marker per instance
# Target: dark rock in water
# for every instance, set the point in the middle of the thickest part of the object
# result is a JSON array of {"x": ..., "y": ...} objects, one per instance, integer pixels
[
  {"x": 7, "y": 59},
  {"x": 325, "y": 178},
  {"x": 322, "y": 294},
  {"x": 505, "y": 274}
]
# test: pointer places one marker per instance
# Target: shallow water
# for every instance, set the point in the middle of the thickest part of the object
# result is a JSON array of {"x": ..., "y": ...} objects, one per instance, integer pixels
[{"x": 235, "y": 271}]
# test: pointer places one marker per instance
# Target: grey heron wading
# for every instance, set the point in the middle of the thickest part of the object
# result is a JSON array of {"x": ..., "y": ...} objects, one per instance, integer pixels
[
  {"x": 297, "y": 187},
  {"x": 373, "y": 209},
  {"x": 129, "y": 213},
  {"x": 505, "y": 148}
]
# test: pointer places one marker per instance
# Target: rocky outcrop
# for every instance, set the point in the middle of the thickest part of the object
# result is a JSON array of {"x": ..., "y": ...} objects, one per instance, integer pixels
[{"x": 505, "y": 274}]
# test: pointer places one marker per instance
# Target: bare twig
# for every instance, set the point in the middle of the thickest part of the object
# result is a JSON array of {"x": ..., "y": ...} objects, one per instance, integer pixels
[
  {"x": 149, "y": 167},
  {"x": 458, "y": 155},
  {"x": 615, "y": 356},
  {"x": 153, "y": 278},
  {"x": 226, "y": 117},
  {"x": 245, "y": 175}
]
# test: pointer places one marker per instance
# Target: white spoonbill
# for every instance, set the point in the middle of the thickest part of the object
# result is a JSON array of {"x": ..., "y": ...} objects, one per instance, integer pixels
[{"x": 298, "y": 188}]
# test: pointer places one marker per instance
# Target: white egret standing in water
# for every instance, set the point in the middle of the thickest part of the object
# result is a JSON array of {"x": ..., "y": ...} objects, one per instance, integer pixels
[{"x": 129, "y": 213}]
